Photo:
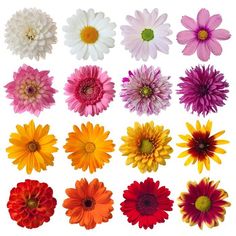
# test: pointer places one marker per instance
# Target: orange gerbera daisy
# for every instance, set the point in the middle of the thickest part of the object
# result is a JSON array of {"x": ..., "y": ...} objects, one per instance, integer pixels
[
  {"x": 89, "y": 147},
  {"x": 88, "y": 203},
  {"x": 32, "y": 147}
]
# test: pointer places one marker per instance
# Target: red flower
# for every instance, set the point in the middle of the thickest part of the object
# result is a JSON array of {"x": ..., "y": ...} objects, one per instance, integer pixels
[
  {"x": 146, "y": 203},
  {"x": 31, "y": 203}
]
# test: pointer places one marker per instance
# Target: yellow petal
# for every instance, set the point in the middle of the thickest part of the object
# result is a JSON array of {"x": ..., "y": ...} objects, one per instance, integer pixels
[
  {"x": 216, "y": 159},
  {"x": 209, "y": 126},
  {"x": 190, "y": 128},
  {"x": 200, "y": 166},
  {"x": 220, "y": 150},
  {"x": 207, "y": 163},
  {"x": 184, "y": 145},
  {"x": 220, "y": 142},
  {"x": 188, "y": 161},
  {"x": 183, "y": 154},
  {"x": 198, "y": 125},
  {"x": 217, "y": 135}
]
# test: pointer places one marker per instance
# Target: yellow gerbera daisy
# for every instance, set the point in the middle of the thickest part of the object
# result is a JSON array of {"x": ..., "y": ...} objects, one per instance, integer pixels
[
  {"x": 89, "y": 147},
  {"x": 32, "y": 147},
  {"x": 146, "y": 146},
  {"x": 201, "y": 145}
]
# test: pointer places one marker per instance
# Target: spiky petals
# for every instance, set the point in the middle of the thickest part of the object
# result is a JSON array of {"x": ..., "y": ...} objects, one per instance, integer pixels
[
  {"x": 31, "y": 203},
  {"x": 32, "y": 147},
  {"x": 146, "y": 203},
  {"x": 146, "y": 146},
  {"x": 204, "y": 203},
  {"x": 201, "y": 145},
  {"x": 89, "y": 147},
  {"x": 88, "y": 204},
  {"x": 146, "y": 91},
  {"x": 203, "y": 90},
  {"x": 31, "y": 90},
  {"x": 89, "y": 90}
]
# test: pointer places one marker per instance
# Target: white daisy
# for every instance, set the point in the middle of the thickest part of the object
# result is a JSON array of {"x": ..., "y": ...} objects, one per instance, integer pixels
[
  {"x": 146, "y": 34},
  {"x": 31, "y": 33},
  {"x": 89, "y": 34}
]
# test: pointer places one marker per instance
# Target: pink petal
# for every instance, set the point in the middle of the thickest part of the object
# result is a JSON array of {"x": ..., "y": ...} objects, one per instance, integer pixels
[
  {"x": 185, "y": 36},
  {"x": 203, "y": 17},
  {"x": 214, "y": 47},
  {"x": 203, "y": 52},
  {"x": 221, "y": 34},
  {"x": 189, "y": 23},
  {"x": 214, "y": 21},
  {"x": 191, "y": 47}
]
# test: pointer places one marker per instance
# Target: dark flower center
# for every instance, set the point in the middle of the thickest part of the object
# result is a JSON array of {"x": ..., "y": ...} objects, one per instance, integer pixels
[
  {"x": 147, "y": 204},
  {"x": 203, "y": 203},
  {"x": 146, "y": 91},
  {"x": 33, "y": 146},
  {"x": 88, "y": 204},
  {"x": 147, "y": 34},
  {"x": 32, "y": 203},
  {"x": 30, "y": 90},
  {"x": 146, "y": 146},
  {"x": 203, "y": 90},
  {"x": 203, "y": 35}
]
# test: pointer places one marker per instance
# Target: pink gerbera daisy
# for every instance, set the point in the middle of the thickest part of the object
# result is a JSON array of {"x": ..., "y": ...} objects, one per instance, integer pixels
[
  {"x": 202, "y": 35},
  {"x": 90, "y": 90},
  {"x": 30, "y": 90}
]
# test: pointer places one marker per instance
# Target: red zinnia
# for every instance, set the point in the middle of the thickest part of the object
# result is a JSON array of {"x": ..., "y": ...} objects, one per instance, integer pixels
[
  {"x": 146, "y": 203},
  {"x": 31, "y": 203}
]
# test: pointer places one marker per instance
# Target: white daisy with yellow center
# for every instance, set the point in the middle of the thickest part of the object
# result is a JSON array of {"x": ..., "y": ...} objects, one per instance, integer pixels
[{"x": 89, "y": 34}]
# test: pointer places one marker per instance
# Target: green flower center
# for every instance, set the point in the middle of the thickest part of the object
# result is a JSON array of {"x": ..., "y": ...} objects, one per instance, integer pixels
[
  {"x": 146, "y": 146},
  {"x": 146, "y": 91},
  {"x": 32, "y": 203},
  {"x": 203, "y": 203},
  {"x": 147, "y": 34}
]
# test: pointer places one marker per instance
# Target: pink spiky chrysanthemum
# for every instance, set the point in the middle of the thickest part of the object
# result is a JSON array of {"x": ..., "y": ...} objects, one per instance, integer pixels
[
  {"x": 30, "y": 90},
  {"x": 90, "y": 90}
]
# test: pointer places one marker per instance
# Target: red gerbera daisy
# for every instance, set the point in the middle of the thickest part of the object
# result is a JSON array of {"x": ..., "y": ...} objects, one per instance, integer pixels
[
  {"x": 31, "y": 203},
  {"x": 203, "y": 203},
  {"x": 146, "y": 203}
]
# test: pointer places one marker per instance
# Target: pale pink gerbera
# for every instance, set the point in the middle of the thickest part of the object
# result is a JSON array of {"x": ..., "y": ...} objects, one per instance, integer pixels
[
  {"x": 90, "y": 90},
  {"x": 30, "y": 90},
  {"x": 202, "y": 35}
]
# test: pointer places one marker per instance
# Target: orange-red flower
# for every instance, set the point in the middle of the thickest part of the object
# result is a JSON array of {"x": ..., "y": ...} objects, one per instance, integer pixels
[{"x": 88, "y": 203}]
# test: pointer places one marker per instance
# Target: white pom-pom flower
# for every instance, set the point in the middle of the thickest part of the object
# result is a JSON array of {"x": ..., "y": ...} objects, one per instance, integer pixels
[
  {"x": 89, "y": 34},
  {"x": 31, "y": 33}
]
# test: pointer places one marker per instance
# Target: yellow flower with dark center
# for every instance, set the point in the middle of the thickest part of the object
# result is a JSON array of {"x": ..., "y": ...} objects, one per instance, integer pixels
[
  {"x": 32, "y": 147},
  {"x": 201, "y": 145},
  {"x": 146, "y": 146},
  {"x": 89, "y": 147}
]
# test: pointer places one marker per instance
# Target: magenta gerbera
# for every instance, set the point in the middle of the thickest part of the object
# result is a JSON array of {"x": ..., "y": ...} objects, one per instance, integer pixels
[
  {"x": 31, "y": 90},
  {"x": 202, "y": 35},
  {"x": 90, "y": 90},
  {"x": 203, "y": 90},
  {"x": 146, "y": 91}
]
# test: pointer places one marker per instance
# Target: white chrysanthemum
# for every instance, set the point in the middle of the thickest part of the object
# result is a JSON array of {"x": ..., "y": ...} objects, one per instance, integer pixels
[
  {"x": 31, "y": 33},
  {"x": 89, "y": 34}
]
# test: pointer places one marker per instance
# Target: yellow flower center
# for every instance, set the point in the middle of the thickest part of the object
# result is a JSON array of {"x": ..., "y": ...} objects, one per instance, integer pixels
[
  {"x": 33, "y": 146},
  {"x": 146, "y": 146},
  {"x": 89, "y": 35},
  {"x": 32, "y": 203},
  {"x": 90, "y": 147},
  {"x": 202, "y": 35},
  {"x": 203, "y": 203},
  {"x": 146, "y": 91},
  {"x": 31, "y": 34}
]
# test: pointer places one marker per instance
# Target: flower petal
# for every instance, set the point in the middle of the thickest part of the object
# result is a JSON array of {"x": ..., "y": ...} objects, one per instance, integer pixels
[
  {"x": 214, "y": 21},
  {"x": 221, "y": 34},
  {"x": 185, "y": 36},
  {"x": 203, "y": 52},
  {"x": 191, "y": 47},
  {"x": 189, "y": 23},
  {"x": 203, "y": 17},
  {"x": 214, "y": 47}
]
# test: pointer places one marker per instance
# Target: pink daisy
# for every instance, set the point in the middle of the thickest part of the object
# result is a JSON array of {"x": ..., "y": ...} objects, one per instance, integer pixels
[
  {"x": 202, "y": 35},
  {"x": 90, "y": 90},
  {"x": 30, "y": 90}
]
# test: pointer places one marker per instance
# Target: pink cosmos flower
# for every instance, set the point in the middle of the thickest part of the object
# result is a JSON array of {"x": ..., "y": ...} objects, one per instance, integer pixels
[
  {"x": 202, "y": 35},
  {"x": 90, "y": 90},
  {"x": 30, "y": 90}
]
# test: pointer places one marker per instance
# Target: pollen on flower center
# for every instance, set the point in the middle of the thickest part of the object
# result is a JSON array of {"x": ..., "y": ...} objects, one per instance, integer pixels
[
  {"x": 33, "y": 146},
  {"x": 146, "y": 91},
  {"x": 31, "y": 34},
  {"x": 146, "y": 146},
  {"x": 203, "y": 203},
  {"x": 147, "y": 34},
  {"x": 89, "y": 35},
  {"x": 90, "y": 147},
  {"x": 202, "y": 35},
  {"x": 32, "y": 203},
  {"x": 88, "y": 203}
]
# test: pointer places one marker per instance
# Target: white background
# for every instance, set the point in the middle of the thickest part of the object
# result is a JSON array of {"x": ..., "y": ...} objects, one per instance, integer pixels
[{"x": 116, "y": 175}]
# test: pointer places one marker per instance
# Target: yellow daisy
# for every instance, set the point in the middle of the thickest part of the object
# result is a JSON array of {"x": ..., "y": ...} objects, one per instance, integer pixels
[
  {"x": 32, "y": 147},
  {"x": 201, "y": 145},
  {"x": 146, "y": 146},
  {"x": 89, "y": 147}
]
